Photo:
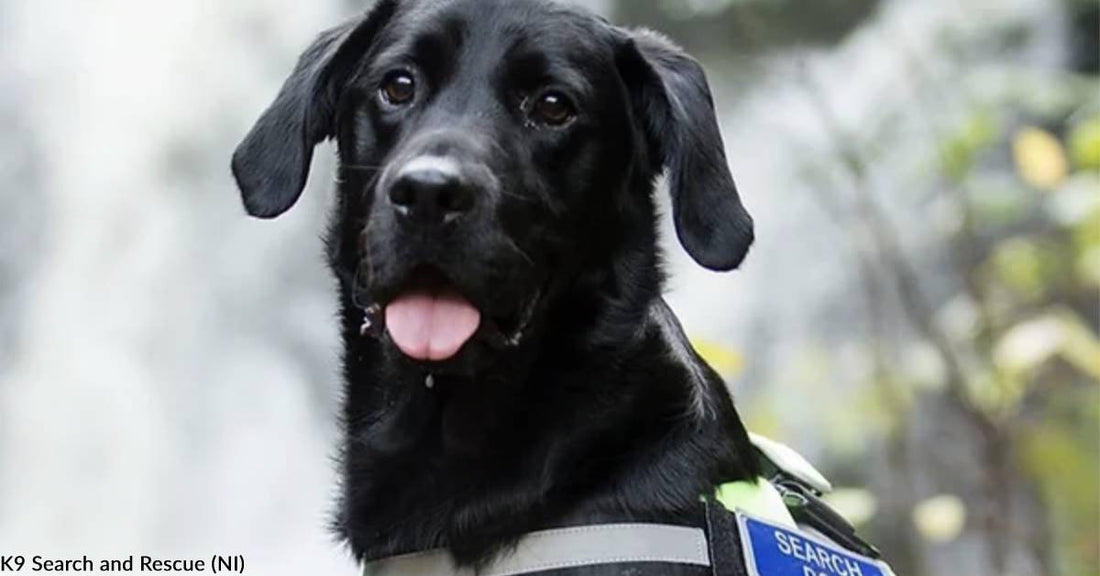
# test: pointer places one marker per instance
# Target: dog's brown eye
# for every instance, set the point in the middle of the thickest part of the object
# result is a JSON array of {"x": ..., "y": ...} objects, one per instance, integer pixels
[
  {"x": 553, "y": 109},
  {"x": 398, "y": 88}
]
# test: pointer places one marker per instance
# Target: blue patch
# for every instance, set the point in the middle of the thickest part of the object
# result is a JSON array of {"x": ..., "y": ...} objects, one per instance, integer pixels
[{"x": 772, "y": 550}]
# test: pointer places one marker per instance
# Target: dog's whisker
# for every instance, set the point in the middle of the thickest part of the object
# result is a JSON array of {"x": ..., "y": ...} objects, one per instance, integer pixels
[
  {"x": 361, "y": 167},
  {"x": 512, "y": 243},
  {"x": 513, "y": 195}
]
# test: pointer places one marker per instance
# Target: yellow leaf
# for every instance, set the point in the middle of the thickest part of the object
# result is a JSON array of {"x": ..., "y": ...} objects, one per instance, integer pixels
[
  {"x": 1040, "y": 159},
  {"x": 1030, "y": 344},
  {"x": 1058, "y": 332},
  {"x": 1085, "y": 144},
  {"x": 724, "y": 360},
  {"x": 940, "y": 519},
  {"x": 1081, "y": 349}
]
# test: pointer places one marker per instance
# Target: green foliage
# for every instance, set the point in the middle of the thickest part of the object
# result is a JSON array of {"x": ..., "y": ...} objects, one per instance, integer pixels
[
  {"x": 1037, "y": 281},
  {"x": 1027, "y": 267},
  {"x": 1060, "y": 451},
  {"x": 1029, "y": 203},
  {"x": 1011, "y": 271},
  {"x": 1084, "y": 144},
  {"x": 958, "y": 153}
]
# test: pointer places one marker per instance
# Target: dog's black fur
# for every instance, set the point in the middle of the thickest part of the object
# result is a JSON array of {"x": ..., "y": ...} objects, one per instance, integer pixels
[{"x": 579, "y": 400}]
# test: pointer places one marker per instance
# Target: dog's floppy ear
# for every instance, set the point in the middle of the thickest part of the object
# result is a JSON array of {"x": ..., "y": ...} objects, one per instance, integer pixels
[
  {"x": 272, "y": 164},
  {"x": 672, "y": 101}
]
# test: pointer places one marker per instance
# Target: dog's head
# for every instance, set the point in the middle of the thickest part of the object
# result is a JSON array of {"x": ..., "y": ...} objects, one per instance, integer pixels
[{"x": 492, "y": 153}]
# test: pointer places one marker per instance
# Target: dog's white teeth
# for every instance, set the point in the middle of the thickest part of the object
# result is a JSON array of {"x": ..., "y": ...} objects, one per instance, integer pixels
[
  {"x": 429, "y": 382},
  {"x": 515, "y": 339},
  {"x": 371, "y": 320}
]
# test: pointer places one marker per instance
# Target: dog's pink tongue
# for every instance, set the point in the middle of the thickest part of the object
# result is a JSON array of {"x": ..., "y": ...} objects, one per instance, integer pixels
[{"x": 431, "y": 326}]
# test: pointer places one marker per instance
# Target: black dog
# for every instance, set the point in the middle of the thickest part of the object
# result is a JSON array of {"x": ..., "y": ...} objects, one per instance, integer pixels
[{"x": 509, "y": 362}]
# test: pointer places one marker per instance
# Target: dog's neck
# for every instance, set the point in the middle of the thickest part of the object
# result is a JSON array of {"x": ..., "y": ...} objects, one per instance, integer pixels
[{"x": 609, "y": 415}]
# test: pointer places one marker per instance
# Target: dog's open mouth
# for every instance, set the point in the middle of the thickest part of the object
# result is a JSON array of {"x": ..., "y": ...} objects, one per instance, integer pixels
[{"x": 430, "y": 320}]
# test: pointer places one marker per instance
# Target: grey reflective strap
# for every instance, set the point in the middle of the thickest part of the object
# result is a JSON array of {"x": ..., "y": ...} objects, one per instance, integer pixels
[{"x": 566, "y": 548}]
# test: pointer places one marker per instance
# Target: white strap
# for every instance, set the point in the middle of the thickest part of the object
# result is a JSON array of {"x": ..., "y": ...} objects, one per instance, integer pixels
[
  {"x": 791, "y": 462},
  {"x": 566, "y": 548}
]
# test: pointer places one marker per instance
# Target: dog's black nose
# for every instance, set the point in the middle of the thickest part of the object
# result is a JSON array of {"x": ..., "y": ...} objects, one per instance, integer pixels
[{"x": 431, "y": 190}]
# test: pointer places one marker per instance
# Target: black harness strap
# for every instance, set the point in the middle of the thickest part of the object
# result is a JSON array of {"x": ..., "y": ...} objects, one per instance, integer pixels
[{"x": 724, "y": 540}]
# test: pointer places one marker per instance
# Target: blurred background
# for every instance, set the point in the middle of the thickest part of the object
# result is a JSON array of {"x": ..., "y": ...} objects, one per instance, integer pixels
[{"x": 919, "y": 315}]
